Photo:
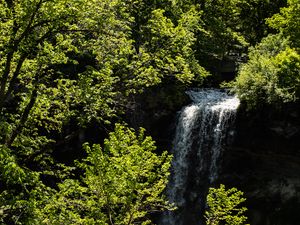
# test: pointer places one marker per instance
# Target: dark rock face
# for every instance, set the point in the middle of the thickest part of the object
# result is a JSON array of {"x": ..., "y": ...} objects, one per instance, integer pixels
[
  {"x": 264, "y": 162},
  {"x": 156, "y": 110}
]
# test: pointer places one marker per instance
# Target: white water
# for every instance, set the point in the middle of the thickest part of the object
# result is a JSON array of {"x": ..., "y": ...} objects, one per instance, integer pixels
[{"x": 200, "y": 135}]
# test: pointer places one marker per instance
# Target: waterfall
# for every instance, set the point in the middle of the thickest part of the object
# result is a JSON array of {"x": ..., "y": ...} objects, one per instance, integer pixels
[{"x": 202, "y": 130}]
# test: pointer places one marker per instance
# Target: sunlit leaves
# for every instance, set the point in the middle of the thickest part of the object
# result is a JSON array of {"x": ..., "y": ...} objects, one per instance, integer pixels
[
  {"x": 288, "y": 22},
  {"x": 271, "y": 75},
  {"x": 172, "y": 46},
  {"x": 224, "y": 206},
  {"x": 221, "y": 20},
  {"x": 128, "y": 174},
  {"x": 13, "y": 203},
  {"x": 123, "y": 182}
]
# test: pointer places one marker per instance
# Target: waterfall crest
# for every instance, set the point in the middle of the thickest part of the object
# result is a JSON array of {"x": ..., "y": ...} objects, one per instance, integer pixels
[{"x": 202, "y": 130}]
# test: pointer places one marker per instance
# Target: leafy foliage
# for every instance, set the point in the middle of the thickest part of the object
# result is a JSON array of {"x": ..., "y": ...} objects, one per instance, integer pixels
[
  {"x": 253, "y": 14},
  {"x": 288, "y": 22},
  {"x": 122, "y": 184},
  {"x": 224, "y": 206},
  {"x": 70, "y": 63},
  {"x": 271, "y": 76},
  {"x": 220, "y": 21},
  {"x": 65, "y": 65}
]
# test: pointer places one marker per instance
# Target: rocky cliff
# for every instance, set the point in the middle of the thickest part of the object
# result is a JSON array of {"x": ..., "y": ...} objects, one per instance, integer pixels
[{"x": 264, "y": 162}]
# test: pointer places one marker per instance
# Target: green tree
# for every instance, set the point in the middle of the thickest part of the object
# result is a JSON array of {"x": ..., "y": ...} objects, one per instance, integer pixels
[
  {"x": 288, "y": 22},
  {"x": 40, "y": 37},
  {"x": 70, "y": 63},
  {"x": 271, "y": 75},
  {"x": 123, "y": 183},
  {"x": 224, "y": 206},
  {"x": 164, "y": 41},
  {"x": 253, "y": 14},
  {"x": 34, "y": 36}
]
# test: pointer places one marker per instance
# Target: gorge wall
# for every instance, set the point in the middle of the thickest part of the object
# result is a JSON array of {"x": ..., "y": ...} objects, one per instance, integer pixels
[{"x": 264, "y": 162}]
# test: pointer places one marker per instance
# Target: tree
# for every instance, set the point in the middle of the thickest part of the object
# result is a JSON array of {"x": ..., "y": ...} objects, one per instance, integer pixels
[
  {"x": 253, "y": 14},
  {"x": 221, "y": 23},
  {"x": 34, "y": 100},
  {"x": 67, "y": 63},
  {"x": 271, "y": 75},
  {"x": 288, "y": 22},
  {"x": 224, "y": 206},
  {"x": 123, "y": 183},
  {"x": 229, "y": 28},
  {"x": 40, "y": 38},
  {"x": 164, "y": 41}
]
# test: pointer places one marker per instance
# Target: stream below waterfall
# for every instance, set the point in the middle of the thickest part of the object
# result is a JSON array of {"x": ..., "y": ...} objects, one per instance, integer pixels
[{"x": 203, "y": 129}]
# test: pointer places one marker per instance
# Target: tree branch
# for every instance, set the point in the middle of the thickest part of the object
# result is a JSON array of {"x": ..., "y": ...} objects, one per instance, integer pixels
[
  {"x": 13, "y": 80},
  {"x": 24, "y": 118},
  {"x": 5, "y": 74},
  {"x": 28, "y": 27},
  {"x": 14, "y": 43}
]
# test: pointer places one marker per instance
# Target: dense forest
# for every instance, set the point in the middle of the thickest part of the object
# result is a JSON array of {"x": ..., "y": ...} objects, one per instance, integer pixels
[{"x": 72, "y": 72}]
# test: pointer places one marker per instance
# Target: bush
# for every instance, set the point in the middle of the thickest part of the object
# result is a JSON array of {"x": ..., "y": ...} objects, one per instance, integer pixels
[
  {"x": 224, "y": 206},
  {"x": 271, "y": 76},
  {"x": 123, "y": 183}
]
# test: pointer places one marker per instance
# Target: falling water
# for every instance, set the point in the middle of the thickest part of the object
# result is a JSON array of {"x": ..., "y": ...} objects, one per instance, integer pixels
[{"x": 202, "y": 130}]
